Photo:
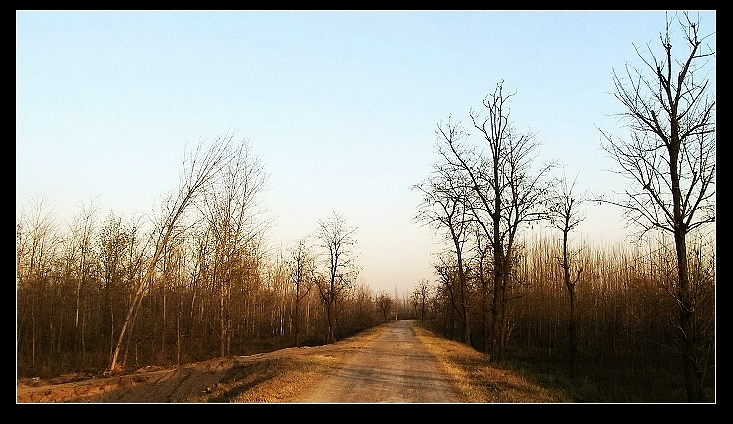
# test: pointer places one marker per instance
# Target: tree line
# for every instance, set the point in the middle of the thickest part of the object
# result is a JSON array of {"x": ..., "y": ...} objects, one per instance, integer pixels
[
  {"x": 195, "y": 281},
  {"x": 482, "y": 197},
  {"x": 198, "y": 280}
]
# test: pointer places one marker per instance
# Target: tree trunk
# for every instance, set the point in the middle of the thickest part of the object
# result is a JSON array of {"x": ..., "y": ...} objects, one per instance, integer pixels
[
  {"x": 687, "y": 332},
  {"x": 297, "y": 315}
]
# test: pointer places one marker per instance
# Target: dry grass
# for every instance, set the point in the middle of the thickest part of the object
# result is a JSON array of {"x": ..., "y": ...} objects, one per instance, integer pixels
[
  {"x": 474, "y": 378},
  {"x": 477, "y": 380},
  {"x": 277, "y": 380},
  {"x": 284, "y": 379},
  {"x": 284, "y": 375}
]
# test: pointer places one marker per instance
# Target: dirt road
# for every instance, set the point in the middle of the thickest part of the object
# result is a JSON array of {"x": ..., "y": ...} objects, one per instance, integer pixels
[
  {"x": 392, "y": 366},
  {"x": 393, "y": 362},
  {"x": 386, "y": 363}
]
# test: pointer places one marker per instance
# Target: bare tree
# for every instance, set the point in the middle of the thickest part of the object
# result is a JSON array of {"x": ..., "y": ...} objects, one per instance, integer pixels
[
  {"x": 201, "y": 168},
  {"x": 445, "y": 208},
  {"x": 564, "y": 216},
  {"x": 421, "y": 295},
  {"x": 455, "y": 292},
  {"x": 507, "y": 194},
  {"x": 301, "y": 270},
  {"x": 234, "y": 216},
  {"x": 36, "y": 249},
  {"x": 670, "y": 158},
  {"x": 385, "y": 304},
  {"x": 482, "y": 271},
  {"x": 337, "y": 238},
  {"x": 80, "y": 261},
  {"x": 114, "y": 241}
]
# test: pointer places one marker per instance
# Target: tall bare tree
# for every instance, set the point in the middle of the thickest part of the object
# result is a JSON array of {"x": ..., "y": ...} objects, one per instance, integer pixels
[
  {"x": 669, "y": 156},
  {"x": 565, "y": 216},
  {"x": 337, "y": 238},
  {"x": 507, "y": 194},
  {"x": 445, "y": 208},
  {"x": 301, "y": 270},
  {"x": 36, "y": 249},
  {"x": 114, "y": 241},
  {"x": 80, "y": 260},
  {"x": 236, "y": 221},
  {"x": 201, "y": 168}
]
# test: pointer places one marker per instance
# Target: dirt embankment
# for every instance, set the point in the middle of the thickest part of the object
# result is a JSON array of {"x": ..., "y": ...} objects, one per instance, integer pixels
[
  {"x": 215, "y": 380},
  {"x": 395, "y": 362}
]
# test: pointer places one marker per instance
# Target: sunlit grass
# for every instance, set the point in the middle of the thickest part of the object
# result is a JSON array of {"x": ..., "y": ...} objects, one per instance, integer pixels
[
  {"x": 275, "y": 380},
  {"x": 477, "y": 380},
  {"x": 474, "y": 378}
]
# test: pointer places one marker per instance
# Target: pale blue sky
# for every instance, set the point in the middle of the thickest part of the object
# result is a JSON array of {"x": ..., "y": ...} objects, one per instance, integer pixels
[{"x": 341, "y": 106}]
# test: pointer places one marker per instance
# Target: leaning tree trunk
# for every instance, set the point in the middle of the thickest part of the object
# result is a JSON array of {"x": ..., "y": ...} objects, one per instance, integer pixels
[{"x": 201, "y": 172}]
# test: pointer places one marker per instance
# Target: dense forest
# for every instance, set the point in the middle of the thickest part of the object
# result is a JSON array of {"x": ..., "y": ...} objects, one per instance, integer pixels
[
  {"x": 199, "y": 279},
  {"x": 196, "y": 283},
  {"x": 650, "y": 303}
]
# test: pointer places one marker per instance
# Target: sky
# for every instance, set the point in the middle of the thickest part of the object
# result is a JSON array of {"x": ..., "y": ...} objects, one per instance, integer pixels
[{"x": 340, "y": 106}]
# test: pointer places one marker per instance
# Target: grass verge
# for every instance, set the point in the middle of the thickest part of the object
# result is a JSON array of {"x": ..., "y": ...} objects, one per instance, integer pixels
[{"x": 479, "y": 381}]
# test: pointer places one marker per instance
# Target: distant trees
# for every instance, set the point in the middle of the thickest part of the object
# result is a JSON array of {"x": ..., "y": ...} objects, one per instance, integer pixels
[
  {"x": 421, "y": 297},
  {"x": 384, "y": 304},
  {"x": 36, "y": 248},
  {"x": 337, "y": 240},
  {"x": 302, "y": 274},
  {"x": 196, "y": 282},
  {"x": 669, "y": 157}
]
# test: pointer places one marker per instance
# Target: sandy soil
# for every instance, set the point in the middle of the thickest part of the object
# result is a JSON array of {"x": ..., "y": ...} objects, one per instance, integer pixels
[{"x": 206, "y": 381}]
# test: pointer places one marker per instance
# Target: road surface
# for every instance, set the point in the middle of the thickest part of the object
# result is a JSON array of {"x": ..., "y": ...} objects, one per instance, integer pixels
[{"x": 393, "y": 366}]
